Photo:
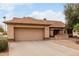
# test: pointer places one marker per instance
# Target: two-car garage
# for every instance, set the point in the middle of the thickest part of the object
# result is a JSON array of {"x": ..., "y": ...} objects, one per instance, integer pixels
[{"x": 22, "y": 34}]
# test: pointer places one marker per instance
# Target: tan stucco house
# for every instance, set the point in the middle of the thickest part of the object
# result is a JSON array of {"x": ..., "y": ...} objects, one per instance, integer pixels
[{"x": 28, "y": 28}]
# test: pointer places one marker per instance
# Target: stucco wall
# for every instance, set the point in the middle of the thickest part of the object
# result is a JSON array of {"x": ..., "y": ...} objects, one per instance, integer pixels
[
  {"x": 46, "y": 32},
  {"x": 10, "y": 31},
  {"x": 51, "y": 33}
]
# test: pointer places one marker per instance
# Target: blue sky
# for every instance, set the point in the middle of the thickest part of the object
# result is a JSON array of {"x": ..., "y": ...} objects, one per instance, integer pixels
[{"x": 51, "y": 11}]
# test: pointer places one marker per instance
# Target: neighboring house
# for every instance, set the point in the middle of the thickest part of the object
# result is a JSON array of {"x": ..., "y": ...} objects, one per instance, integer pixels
[{"x": 28, "y": 28}]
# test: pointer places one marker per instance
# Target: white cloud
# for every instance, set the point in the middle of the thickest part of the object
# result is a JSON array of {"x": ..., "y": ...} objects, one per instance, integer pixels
[
  {"x": 9, "y": 8},
  {"x": 27, "y": 4},
  {"x": 49, "y": 14}
]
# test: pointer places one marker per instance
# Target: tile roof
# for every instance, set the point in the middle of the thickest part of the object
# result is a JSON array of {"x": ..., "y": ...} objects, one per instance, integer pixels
[{"x": 30, "y": 20}]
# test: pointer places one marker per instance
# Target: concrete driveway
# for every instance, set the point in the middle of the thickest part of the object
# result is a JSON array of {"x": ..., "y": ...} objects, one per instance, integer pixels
[{"x": 43, "y": 48}]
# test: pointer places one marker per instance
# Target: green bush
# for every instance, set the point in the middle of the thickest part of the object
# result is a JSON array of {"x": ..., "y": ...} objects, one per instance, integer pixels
[{"x": 3, "y": 43}]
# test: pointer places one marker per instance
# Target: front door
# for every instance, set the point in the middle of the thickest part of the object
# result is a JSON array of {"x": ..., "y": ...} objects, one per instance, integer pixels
[{"x": 56, "y": 32}]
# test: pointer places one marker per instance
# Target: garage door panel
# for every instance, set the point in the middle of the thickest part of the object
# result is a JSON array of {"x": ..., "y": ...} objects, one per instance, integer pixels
[{"x": 29, "y": 34}]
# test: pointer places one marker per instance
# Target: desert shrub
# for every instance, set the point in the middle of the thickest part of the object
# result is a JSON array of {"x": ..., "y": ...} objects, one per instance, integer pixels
[
  {"x": 1, "y": 29},
  {"x": 3, "y": 43}
]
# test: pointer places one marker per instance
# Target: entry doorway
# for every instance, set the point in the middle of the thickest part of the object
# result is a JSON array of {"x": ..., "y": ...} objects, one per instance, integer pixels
[
  {"x": 56, "y": 32},
  {"x": 70, "y": 32}
]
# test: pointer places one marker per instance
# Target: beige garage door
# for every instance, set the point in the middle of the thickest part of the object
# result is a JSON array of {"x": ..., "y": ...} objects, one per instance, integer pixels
[{"x": 29, "y": 34}]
